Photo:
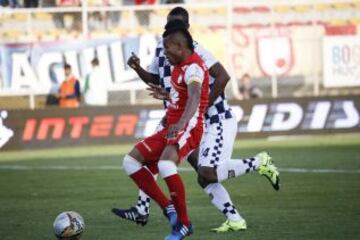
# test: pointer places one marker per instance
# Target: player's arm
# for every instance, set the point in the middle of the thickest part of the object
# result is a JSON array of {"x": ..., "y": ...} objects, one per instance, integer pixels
[
  {"x": 192, "y": 103},
  {"x": 218, "y": 72},
  {"x": 147, "y": 77},
  {"x": 158, "y": 92}
]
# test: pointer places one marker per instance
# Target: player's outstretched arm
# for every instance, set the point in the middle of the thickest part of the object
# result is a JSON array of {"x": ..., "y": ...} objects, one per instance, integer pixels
[
  {"x": 134, "y": 63},
  {"x": 158, "y": 92},
  {"x": 218, "y": 72},
  {"x": 192, "y": 104}
]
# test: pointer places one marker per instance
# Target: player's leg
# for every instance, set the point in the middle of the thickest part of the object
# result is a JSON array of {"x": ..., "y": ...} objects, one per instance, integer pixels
[
  {"x": 143, "y": 202},
  {"x": 141, "y": 210},
  {"x": 142, "y": 206},
  {"x": 193, "y": 159},
  {"x": 225, "y": 137},
  {"x": 145, "y": 181},
  {"x": 168, "y": 171},
  {"x": 213, "y": 151},
  {"x": 261, "y": 163},
  {"x": 146, "y": 150},
  {"x": 177, "y": 149}
]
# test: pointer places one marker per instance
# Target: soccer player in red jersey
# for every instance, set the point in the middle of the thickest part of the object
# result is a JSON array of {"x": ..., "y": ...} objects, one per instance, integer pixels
[{"x": 184, "y": 126}]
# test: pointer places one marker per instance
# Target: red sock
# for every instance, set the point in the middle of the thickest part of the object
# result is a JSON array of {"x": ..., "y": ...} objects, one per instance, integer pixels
[
  {"x": 145, "y": 181},
  {"x": 177, "y": 192}
]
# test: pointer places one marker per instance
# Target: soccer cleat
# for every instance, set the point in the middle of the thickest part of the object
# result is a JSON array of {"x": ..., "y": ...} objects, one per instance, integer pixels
[
  {"x": 171, "y": 215},
  {"x": 179, "y": 232},
  {"x": 131, "y": 214},
  {"x": 230, "y": 225},
  {"x": 268, "y": 169}
]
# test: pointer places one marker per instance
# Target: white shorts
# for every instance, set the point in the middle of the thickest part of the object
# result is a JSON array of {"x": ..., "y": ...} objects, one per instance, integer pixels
[{"x": 217, "y": 143}]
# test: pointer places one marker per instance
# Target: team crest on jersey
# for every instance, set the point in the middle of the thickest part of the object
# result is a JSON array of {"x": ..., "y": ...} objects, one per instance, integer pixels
[
  {"x": 174, "y": 97},
  {"x": 274, "y": 51},
  {"x": 179, "y": 79}
]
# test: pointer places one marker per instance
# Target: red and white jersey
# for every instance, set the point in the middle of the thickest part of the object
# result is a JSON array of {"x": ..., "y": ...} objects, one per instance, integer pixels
[{"x": 190, "y": 70}]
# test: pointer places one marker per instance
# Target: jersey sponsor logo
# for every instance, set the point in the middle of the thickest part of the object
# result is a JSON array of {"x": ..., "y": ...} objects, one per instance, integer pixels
[{"x": 174, "y": 97}]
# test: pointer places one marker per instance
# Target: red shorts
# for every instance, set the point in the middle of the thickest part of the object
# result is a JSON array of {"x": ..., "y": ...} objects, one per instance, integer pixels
[{"x": 152, "y": 147}]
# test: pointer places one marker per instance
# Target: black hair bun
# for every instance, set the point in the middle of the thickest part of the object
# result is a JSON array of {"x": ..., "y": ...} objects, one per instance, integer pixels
[{"x": 175, "y": 24}]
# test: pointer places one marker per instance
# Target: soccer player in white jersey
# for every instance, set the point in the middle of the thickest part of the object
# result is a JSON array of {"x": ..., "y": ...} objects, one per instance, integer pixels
[{"x": 212, "y": 161}]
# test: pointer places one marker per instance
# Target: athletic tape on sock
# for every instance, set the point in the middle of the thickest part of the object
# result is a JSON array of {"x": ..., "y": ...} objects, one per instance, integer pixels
[
  {"x": 167, "y": 168},
  {"x": 131, "y": 165}
]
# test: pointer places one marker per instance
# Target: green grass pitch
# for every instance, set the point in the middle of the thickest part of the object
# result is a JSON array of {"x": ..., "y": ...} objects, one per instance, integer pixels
[{"x": 319, "y": 198}]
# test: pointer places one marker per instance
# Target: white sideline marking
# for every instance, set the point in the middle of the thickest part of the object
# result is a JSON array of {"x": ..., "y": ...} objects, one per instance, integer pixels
[{"x": 183, "y": 169}]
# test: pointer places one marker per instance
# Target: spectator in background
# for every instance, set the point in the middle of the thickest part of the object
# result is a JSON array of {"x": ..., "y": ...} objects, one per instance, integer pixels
[
  {"x": 67, "y": 3},
  {"x": 9, "y": 3},
  {"x": 139, "y": 2},
  {"x": 248, "y": 89},
  {"x": 95, "y": 90},
  {"x": 69, "y": 92},
  {"x": 31, "y": 3},
  {"x": 103, "y": 20},
  {"x": 143, "y": 16},
  {"x": 68, "y": 20},
  {"x": 171, "y": 1}
]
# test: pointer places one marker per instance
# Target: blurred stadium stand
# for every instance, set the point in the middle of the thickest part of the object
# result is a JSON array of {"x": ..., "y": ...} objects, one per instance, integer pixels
[{"x": 211, "y": 21}]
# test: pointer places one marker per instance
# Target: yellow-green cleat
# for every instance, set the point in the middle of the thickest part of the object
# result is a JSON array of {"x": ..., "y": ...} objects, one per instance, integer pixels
[
  {"x": 229, "y": 226},
  {"x": 268, "y": 169}
]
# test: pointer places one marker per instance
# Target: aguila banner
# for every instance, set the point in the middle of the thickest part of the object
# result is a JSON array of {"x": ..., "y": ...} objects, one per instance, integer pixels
[
  {"x": 54, "y": 127},
  {"x": 38, "y": 67}
]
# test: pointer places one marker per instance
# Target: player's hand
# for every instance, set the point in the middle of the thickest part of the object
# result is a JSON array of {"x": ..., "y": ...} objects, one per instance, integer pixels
[
  {"x": 133, "y": 61},
  {"x": 174, "y": 130},
  {"x": 158, "y": 92}
]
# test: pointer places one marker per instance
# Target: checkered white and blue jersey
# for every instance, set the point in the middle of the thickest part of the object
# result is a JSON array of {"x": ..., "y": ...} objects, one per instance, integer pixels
[{"x": 161, "y": 66}]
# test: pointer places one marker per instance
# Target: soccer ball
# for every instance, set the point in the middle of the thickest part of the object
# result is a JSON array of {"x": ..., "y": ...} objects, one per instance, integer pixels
[{"x": 69, "y": 226}]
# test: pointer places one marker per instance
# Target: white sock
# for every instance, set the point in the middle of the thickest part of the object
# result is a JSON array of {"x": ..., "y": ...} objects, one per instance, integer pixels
[
  {"x": 143, "y": 203},
  {"x": 236, "y": 167},
  {"x": 220, "y": 198}
]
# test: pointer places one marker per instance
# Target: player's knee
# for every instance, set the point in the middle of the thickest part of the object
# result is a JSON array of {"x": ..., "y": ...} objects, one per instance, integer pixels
[
  {"x": 153, "y": 168},
  {"x": 193, "y": 160},
  {"x": 167, "y": 168},
  {"x": 201, "y": 181},
  {"x": 131, "y": 165},
  {"x": 206, "y": 175}
]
